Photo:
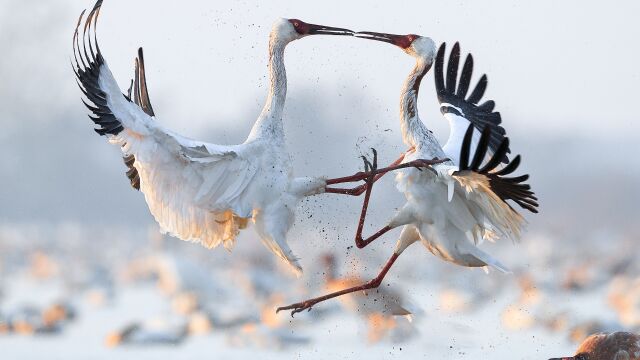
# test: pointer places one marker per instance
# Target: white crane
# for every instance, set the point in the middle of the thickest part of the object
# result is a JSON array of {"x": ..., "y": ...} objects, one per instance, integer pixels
[
  {"x": 452, "y": 206},
  {"x": 199, "y": 191}
]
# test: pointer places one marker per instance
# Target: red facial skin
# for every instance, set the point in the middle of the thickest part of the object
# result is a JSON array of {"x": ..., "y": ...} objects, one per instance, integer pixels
[
  {"x": 404, "y": 41},
  {"x": 300, "y": 26}
]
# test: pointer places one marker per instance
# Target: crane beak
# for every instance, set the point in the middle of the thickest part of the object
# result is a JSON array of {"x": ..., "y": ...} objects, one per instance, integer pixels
[
  {"x": 388, "y": 38},
  {"x": 563, "y": 358},
  {"x": 328, "y": 30}
]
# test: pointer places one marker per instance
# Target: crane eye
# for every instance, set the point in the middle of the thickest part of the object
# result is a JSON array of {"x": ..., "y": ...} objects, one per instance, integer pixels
[{"x": 299, "y": 26}]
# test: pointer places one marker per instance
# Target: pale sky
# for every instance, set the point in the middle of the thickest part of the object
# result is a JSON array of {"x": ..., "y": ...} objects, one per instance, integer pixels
[{"x": 564, "y": 76}]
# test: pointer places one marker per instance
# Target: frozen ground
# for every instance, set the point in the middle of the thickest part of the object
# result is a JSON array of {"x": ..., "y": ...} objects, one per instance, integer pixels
[
  {"x": 441, "y": 336},
  {"x": 536, "y": 313}
]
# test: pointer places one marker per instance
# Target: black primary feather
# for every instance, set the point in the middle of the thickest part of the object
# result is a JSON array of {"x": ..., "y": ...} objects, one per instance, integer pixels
[
  {"x": 481, "y": 116},
  {"x": 465, "y": 77},
  {"x": 87, "y": 67},
  {"x": 140, "y": 98},
  {"x": 466, "y": 148},
  {"x": 132, "y": 173},
  {"x": 140, "y": 92},
  {"x": 87, "y": 71},
  {"x": 452, "y": 68},
  {"x": 506, "y": 188}
]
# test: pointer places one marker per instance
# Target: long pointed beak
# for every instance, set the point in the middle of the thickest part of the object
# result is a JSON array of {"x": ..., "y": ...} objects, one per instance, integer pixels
[
  {"x": 370, "y": 35},
  {"x": 564, "y": 358},
  {"x": 328, "y": 30}
]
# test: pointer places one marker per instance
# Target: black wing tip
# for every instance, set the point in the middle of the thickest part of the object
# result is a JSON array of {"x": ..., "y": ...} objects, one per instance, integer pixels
[
  {"x": 481, "y": 149},
  {"x": 452, "y": 69},
  {"x": 516, "y": 190},
  {"x": 506, "y": 188},
  {"x": 465, "y": 150},
  {"x": 465, "y": 77},
  {"x": 441, "y": 53},
  {"x": 132, "y": 172},
  {"x": 96, "y": 8},
  {"x": 439, "y": 71},
  {"x": 88, "y": 61},
  {"x": 141, "y": 90}
]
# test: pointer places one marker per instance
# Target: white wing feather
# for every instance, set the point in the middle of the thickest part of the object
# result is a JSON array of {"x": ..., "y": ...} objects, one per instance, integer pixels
[
  {"x": 490, "y": 213},
  {"x": 458, "y": 125},
  {"x": 198, "y": 198}
]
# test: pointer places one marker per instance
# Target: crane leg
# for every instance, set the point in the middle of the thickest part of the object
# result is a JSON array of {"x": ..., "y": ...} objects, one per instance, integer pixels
[
  {"x": 360, "y": 242},
  {"x": 358, "y": 190},
  {"x": 372, "y": 284},
  {"x": 396, "y": 165},
  {"x": 418, "y": 164}
]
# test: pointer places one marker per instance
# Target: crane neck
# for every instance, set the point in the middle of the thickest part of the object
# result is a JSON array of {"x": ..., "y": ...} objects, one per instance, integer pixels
[
  {"x": 413, "y": 129},
  {"x": 269, "y": 123}
]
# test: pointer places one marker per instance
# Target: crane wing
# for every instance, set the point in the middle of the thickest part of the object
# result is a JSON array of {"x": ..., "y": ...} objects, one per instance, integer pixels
[
  {"x": 195, "y": 190},
  {"x": 506, "y": 188},
  {"x": 461, "y": 110},
  {"x": 489, "y": 189}
]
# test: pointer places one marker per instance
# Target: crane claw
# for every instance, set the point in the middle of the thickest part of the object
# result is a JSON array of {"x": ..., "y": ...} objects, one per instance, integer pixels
[
  {"x": 367, "y": 164},
  {"x": 425, "y": 163},
  {"x": 370, "y": 166},
  {"x": 297, "y": 307},
  {"x": 375, "y": 158}
]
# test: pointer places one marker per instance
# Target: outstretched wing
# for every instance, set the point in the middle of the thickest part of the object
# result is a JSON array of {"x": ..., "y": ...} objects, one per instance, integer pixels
[
  {"x": 196, "y": 191},
  {"x": 461, "y": 110},
  {"x": 506, "y": 188},
  {"x": 488, "y": 190},
  {"x": 112, "y": 110}
]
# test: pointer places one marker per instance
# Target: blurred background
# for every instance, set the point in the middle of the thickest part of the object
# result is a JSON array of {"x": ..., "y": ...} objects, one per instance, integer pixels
[{"x": 85, "y": 273}]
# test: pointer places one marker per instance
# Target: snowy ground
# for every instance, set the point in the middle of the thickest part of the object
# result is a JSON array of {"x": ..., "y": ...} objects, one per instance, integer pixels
[
  {"x": 536, "y": 313},
  {"x": 441, "y": 336}
]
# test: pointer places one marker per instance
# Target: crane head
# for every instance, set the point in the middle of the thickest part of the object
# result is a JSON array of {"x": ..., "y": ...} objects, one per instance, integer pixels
[
  {"x": 412, "y": 44},
  {"x": 293, "y": 29}
]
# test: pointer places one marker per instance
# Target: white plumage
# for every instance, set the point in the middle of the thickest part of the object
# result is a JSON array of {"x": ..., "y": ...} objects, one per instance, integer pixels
[
  {"x": 199, "y": 191},
  {"x": 451, "y": 229},
  {"x": 458, "y": 125}
]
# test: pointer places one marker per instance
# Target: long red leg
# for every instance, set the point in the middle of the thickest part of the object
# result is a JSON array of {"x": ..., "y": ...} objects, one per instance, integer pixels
[
  {"x": 358, "y": 190},
  {"x": 420, "y": 163},
  {"x": 372, "y": 284},
  {"x": 360, "y": 243}
]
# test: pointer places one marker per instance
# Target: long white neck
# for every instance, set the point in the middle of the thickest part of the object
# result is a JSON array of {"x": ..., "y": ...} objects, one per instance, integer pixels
[
  {"x": 413, "y": 130},
  {"x": 269, "y": 123}
]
